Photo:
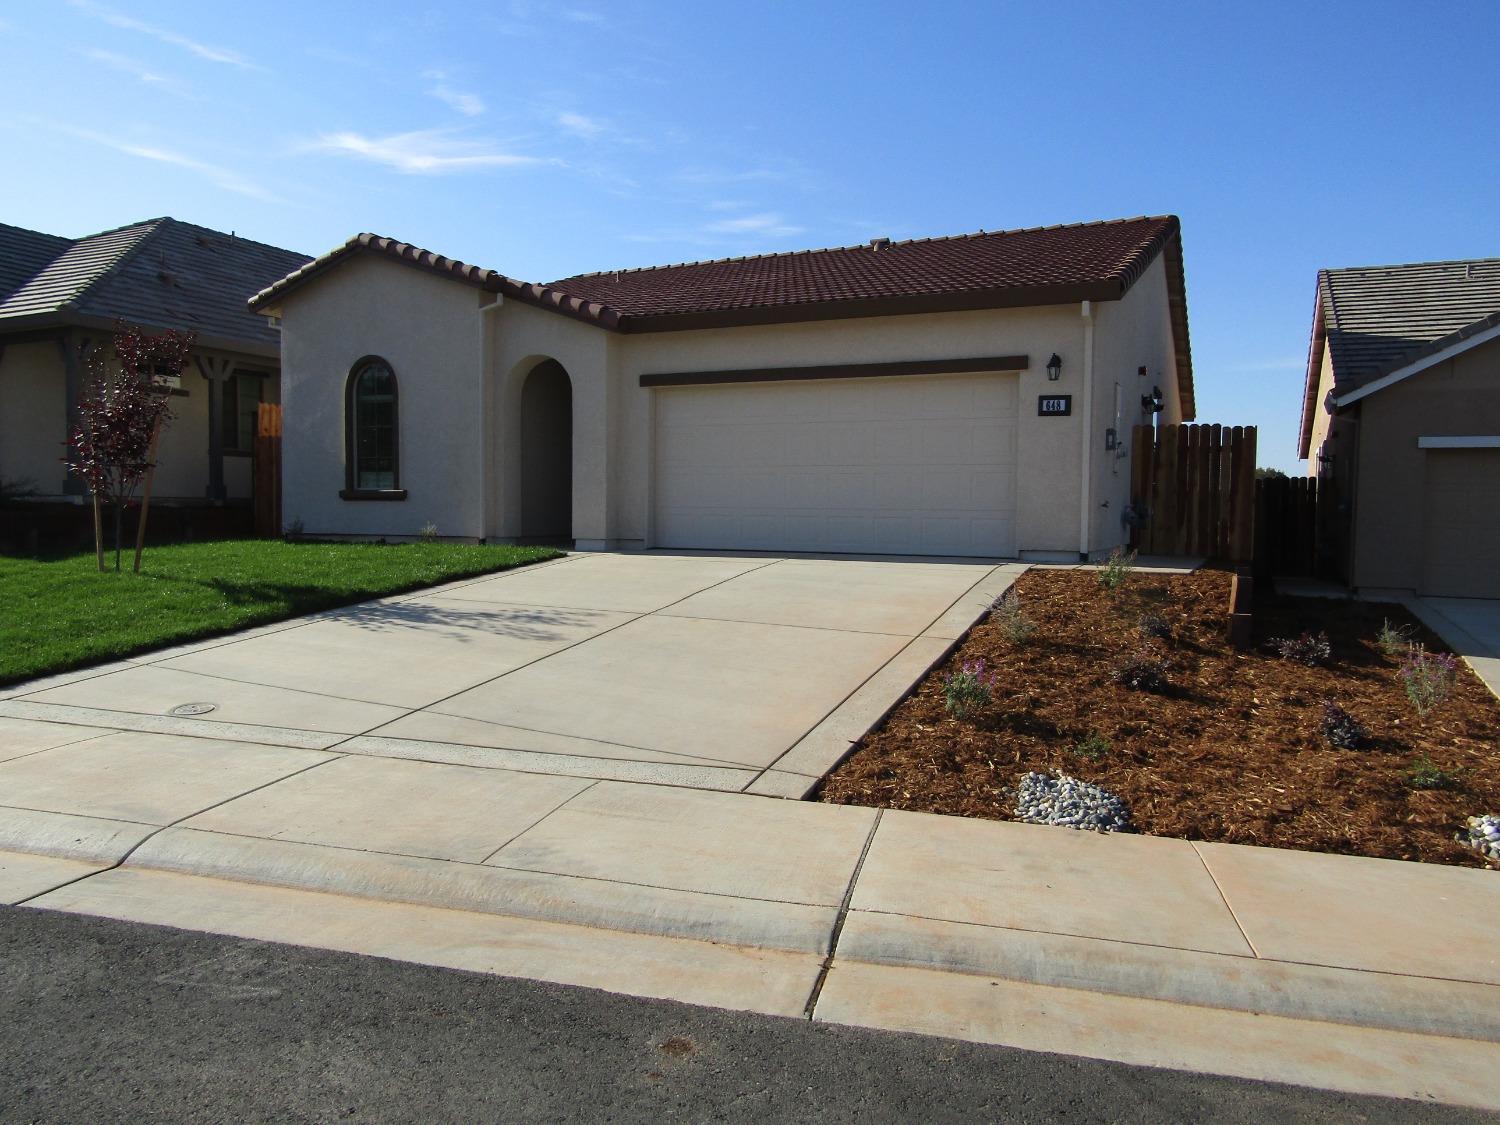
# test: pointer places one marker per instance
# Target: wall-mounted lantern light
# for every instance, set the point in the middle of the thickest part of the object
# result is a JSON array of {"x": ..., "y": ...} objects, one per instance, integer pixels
[
  {"x": 1054, "y": 367},
  {"x": 1152, "y": 403}
]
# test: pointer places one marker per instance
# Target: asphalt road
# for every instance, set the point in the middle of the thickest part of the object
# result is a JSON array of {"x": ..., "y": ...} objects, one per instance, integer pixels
[{"x": 111, "y": 1021}]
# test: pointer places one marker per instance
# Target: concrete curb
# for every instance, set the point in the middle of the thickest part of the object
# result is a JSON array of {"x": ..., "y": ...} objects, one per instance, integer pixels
[
  {"x": 66, "y": 836},
  {"x": 476, "y": 888},
  {"x": 1361, "y": 998}
]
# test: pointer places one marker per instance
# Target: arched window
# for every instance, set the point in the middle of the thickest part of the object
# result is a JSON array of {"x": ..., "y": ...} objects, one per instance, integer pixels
[{"x": 372, "y": 435}]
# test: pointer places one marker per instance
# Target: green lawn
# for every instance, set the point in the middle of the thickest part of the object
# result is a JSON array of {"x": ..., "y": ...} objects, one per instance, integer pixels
[{"x": 61, "y": 613}]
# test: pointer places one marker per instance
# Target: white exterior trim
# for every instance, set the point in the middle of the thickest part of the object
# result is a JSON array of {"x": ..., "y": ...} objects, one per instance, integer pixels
[
  {"x": 1419, "y": 365},
  {"x": 1479, "y": 441}
]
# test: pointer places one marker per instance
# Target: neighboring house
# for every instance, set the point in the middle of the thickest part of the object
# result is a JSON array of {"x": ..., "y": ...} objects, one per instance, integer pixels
[
  {"x": 60, "y": 299},
  {"x": 1401, "y": 414},
  {"x": 891, "y": 397}
]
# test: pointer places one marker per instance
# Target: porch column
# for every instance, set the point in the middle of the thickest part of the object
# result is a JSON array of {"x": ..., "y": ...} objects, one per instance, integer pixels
[
  {"x": 591, "y": 461},
  {"x": 216, "y": 370},
  {"x": 76, "y": 350}
]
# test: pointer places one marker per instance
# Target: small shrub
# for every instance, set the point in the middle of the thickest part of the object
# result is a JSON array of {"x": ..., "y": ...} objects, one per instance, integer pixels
[
  {"x": 295, "y": 529},
  {"x": 1116, "y": 569},
  {"x": 1154, "y": 625},
  {"x": 1092, "y": 746},
  {"x": 968, "y": 689},
  {"x": 1342, "y": 729},
  {"x": 429, "y": 532},
  {"x": 1011, "y": 618},
  {"x": 1428, "y": 677},
  {"x": 1393, "y": 640},
  {"x": 1427, "y": 774},
  {"x": 1307, "y": 649},
  {"x": 1142, "y": 670}
]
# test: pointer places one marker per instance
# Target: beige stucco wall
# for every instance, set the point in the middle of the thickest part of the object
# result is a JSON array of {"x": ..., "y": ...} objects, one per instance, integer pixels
[
  {"x": 428, "y": 330},
  {"x": 33, "y": 416},
  {"x": 461, "y": 357},
  {"x": 1460, "y": 397},
  {"x": 1131, "y": 333},
  {"x": 517, "y": 338}
]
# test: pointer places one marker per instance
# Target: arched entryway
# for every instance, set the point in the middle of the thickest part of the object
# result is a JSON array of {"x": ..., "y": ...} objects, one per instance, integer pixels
[{"x": 547, "y": 455}]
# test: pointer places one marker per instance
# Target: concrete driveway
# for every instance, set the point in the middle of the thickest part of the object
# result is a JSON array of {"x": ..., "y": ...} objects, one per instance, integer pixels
[{"x": 705, "y": 670}]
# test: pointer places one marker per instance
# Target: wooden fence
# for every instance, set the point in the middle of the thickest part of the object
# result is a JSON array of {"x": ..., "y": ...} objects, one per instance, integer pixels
[
  {"x": 1295, "y": 530},
  {"x": 1193, "y": 491},
  {"x": 268, "y": 470}
]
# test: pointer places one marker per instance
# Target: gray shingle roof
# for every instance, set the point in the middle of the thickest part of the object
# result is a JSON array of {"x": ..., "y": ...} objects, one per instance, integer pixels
[
  {"x": 161, "y": 273},
  {"x": 23, "y": 253},
  {"x": 1375, "y": 317}
]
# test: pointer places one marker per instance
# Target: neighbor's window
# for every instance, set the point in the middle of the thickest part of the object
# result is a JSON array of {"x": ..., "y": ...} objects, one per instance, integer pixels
[{"x": 372, "y": 426}]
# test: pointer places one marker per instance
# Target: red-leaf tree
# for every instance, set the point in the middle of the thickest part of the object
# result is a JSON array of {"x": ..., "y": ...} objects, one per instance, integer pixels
[{"x": 121, "y": 414}]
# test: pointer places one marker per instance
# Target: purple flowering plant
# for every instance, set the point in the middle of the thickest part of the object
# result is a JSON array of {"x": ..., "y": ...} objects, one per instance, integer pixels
[{"x": 968, "y": 689}]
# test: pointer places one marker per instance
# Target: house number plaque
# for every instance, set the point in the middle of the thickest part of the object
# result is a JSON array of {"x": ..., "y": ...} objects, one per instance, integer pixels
[{"x": 1054, "y": 406}]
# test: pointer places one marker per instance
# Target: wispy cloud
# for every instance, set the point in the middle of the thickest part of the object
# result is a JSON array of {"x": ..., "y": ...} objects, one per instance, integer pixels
[
  {"x": 587, "y": 128},
  {"x": 217, "y": 174},
  {"x": 767, "y": 222},
  {"x": 470, "y": 105},
  {"x": 423, "y": 151},
  {"x": 137, "y": 70},
  {"x": 165, "y": 35},
  {"x": 583, "y": 15},
  {"x": 702, "y": 177}
]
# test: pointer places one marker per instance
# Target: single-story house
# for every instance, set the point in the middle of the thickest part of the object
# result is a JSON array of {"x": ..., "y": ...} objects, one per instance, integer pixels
[
  {"x": 1401, "y": 416},
  {"x": 60, "y": 299},
  {"x": 971, "y": 395}
]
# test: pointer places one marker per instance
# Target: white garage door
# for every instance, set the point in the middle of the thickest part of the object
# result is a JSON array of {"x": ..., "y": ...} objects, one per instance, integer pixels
[
  {"x": 899, "y": 465},
  {"x": 1461, "y": 542}
]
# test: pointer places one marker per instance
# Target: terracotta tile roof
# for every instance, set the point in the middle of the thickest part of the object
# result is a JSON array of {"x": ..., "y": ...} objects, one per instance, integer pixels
[
  {"x": 1373, "y": 319},
  {"x": 161, "y": 273},
  {"x": 404, "y": 252},
  {"x": 997, "y": 269},
  {"x": 1029, "y": 266}
]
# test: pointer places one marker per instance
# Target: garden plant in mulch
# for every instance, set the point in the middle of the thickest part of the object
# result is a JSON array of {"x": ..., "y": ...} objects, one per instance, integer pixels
[{"x": 1347, "y": 727}]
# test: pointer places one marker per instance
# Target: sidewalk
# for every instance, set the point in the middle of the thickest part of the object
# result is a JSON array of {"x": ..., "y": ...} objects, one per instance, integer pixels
[{"x": 1354, "y": 974}]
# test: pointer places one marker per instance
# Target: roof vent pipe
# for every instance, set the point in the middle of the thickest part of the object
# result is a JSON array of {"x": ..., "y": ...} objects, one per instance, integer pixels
[{"x": 879, "y": 244}]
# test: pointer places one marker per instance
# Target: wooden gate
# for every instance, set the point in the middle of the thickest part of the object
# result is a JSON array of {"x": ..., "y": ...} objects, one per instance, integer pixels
[
  {"x": 268, "y": 470},
  {"x": 1295, "y": 532},
  {"x": 1193, "y": 491}
]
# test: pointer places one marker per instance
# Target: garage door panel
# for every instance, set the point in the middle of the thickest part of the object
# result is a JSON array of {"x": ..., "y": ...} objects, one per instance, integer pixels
[
  {"x": 906, "y": 465},
  {"x": 1461, "y": 535}
]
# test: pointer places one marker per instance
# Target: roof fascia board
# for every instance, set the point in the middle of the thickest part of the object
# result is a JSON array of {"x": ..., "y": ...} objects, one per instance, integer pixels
[
  {"x": 42, "y": 325},
  {"x": 1458, "y": 347},
  {"x": 1315, "y": 347}
]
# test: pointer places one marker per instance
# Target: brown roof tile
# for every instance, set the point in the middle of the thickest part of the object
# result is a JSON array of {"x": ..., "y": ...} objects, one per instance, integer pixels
[
  {"x": 1032, "y": 265},
  {"x": 989, "y": 269}
]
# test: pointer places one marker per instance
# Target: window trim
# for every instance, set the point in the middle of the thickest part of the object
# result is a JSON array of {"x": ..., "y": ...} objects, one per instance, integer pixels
[{"x": 351, "y": 490}]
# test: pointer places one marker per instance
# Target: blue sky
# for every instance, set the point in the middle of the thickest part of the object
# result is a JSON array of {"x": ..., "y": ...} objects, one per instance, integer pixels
[{"x": 548, "y": 139}]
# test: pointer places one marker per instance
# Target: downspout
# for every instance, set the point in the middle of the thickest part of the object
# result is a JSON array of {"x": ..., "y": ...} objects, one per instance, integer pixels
[{"x": 1086, "y": 491}]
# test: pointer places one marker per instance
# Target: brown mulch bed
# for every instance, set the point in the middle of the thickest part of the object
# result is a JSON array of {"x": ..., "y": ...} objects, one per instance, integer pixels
[{"x": 1232, "y": 750}]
